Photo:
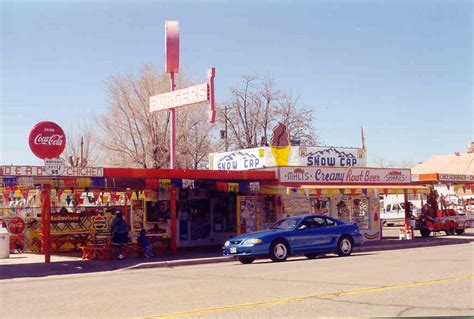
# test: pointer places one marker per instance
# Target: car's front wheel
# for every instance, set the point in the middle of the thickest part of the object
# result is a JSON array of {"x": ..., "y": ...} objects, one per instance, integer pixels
[
  {"x": 246, "y": 260},
  {"x": 279, "y": 251},
  {"x": 344, "y": 246}
]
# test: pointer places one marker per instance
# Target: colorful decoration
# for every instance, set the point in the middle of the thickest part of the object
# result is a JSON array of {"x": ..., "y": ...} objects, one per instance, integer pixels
[
  {"x": 221, "y": 187},
  {"x": 59, "y": 192},
  {"x": 9, "y": 181},
  {"x": 25, "y": 193},
  {"x": 280, "y": 144},
  {"x": 318, "y": 193},
  {"x": 371, "y": 236},
  {"x": 151, "y": 183}
]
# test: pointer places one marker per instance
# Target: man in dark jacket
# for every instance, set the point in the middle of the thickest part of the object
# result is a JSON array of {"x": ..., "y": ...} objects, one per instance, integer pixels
[{"x": 119, "y": 230}]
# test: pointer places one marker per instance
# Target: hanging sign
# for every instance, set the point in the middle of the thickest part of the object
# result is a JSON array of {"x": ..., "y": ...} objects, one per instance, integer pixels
[
  {"x": 54, "y": 166},
  {"x": 196, "y": 94},
  {"x": 65, "y": 218},
  {"x": 12, "y": 170},
  {"x": 238, "y": 160},
  {"x": 343, "y": 175},
  {"x": 47, "y": 140},
  {"x": 261, "y": 157},
  {"x": 332, "y": 156},
  {"x": 456, "y": 178}
]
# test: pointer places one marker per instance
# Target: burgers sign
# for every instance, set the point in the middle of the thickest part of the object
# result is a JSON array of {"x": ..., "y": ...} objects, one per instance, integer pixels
[{"x": 47, "y": 140}]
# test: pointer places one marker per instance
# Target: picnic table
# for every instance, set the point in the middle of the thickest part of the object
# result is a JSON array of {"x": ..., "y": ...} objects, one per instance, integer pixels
[{"x": 102, "y": 247}]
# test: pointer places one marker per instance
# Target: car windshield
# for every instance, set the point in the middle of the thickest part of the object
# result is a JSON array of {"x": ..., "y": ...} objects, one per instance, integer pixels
[{"x": 287, "y": 223}]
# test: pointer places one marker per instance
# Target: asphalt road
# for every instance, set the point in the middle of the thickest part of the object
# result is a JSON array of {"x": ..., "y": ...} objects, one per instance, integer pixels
[{"x": 431, "y": 281}]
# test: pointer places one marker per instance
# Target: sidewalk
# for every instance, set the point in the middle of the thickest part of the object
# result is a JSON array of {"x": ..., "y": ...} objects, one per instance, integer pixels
[{"x": 32, "y": 265}]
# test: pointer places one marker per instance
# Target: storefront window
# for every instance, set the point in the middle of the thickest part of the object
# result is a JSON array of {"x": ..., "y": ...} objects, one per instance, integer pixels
[
  {"x": 320, "y": 206},
  {"x": 344, "y": 210},
  {"x": 268, "y": 215},
  {"x": 158, "y": 211},
  {"x": 360, "y": 212}
]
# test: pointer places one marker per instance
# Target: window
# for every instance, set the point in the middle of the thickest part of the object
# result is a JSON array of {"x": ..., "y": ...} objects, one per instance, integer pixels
[
  {"x": 320, "y": 206},
  {"x": 330, "y": 222},
  {"x": 313, "y": 222},
  {"x": 360, "y": 212},
  {"x": 344, "y": 210},
  {"x": 287, "y": 223},
  {"x": 388, "y": 207}
]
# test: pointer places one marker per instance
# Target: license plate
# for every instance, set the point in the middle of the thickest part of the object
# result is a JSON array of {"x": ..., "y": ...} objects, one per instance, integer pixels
[{"x": 233, "y": 250}]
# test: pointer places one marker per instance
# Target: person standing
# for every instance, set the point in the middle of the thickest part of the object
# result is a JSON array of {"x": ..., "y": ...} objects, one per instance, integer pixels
[{"x": 119, "y": 230}]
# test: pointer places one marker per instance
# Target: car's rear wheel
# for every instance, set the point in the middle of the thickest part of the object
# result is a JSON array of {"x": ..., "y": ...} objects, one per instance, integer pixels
[
  {"x": 311, "y": 256},
  {"x": 344, "y": 246},
  {"x": 246, "y": 260},
  {"x": 279, "y": 251}
]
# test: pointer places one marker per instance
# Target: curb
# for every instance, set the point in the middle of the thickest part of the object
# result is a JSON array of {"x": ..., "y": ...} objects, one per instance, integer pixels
[
  {"x": 176, "y": 263},
  {"x": 442, "y": 242},
  {"x": 221, "y": 259}
]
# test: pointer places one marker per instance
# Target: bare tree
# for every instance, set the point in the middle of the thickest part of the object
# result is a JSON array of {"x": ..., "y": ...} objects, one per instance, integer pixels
[
  {"x": 382, "y": 162},
  {"x": 255, "y": 107},
  {"x": 81, "y": 150},
  {"x": 405, "y": 164},
  {"x": 132, "y": 136}
]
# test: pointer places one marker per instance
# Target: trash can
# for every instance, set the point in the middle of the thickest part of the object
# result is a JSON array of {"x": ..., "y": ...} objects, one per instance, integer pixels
[{"x": 4, "y": 243}]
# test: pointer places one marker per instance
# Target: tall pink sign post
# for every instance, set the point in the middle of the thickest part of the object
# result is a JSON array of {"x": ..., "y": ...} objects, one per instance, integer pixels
[
  {"x": 172, "y": 67},
  {"x": 197, "y": 94}
]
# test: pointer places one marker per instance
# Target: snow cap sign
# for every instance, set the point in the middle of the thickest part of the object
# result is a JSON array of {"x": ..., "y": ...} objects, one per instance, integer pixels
[{"x": 47, "y": 140}]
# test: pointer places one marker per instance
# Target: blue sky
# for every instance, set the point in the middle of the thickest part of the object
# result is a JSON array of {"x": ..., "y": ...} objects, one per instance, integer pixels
[{"x": 401, "y": 69}]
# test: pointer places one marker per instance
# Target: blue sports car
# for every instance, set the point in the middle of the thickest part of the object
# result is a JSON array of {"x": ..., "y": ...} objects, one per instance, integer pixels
[{"x": 309, "y": 235}]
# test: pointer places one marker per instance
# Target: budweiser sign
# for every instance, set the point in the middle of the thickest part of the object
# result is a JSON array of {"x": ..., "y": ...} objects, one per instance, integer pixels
[{"x": 47, "y": 140}]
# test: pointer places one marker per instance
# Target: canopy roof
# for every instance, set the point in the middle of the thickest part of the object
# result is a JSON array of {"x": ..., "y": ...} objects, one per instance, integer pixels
[{"x": 457, "y": 163}]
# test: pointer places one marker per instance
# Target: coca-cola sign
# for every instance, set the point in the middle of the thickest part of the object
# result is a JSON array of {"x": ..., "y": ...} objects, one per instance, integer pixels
[{"x": 47, "y": 140}]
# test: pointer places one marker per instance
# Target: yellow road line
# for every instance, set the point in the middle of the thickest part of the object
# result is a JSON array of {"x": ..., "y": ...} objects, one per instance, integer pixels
[{"x": 297, "y": 299}]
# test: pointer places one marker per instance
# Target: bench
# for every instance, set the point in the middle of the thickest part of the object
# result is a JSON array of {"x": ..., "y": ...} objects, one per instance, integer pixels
[{"x": 103, "y": 251}]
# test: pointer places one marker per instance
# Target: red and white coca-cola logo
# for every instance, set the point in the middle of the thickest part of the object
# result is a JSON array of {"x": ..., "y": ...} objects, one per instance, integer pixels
[
  {"x": 55, "y": 139},
  {"x": 47, "y": 140}
]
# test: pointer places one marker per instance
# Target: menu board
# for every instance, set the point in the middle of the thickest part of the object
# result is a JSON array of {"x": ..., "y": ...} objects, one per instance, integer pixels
[
  {"x": 137, "y": 215},
  {"x": 249, "y": 205}
]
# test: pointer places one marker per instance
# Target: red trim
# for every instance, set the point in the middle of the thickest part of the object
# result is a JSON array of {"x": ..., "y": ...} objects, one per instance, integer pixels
[{"x": 188, "y": 174}]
